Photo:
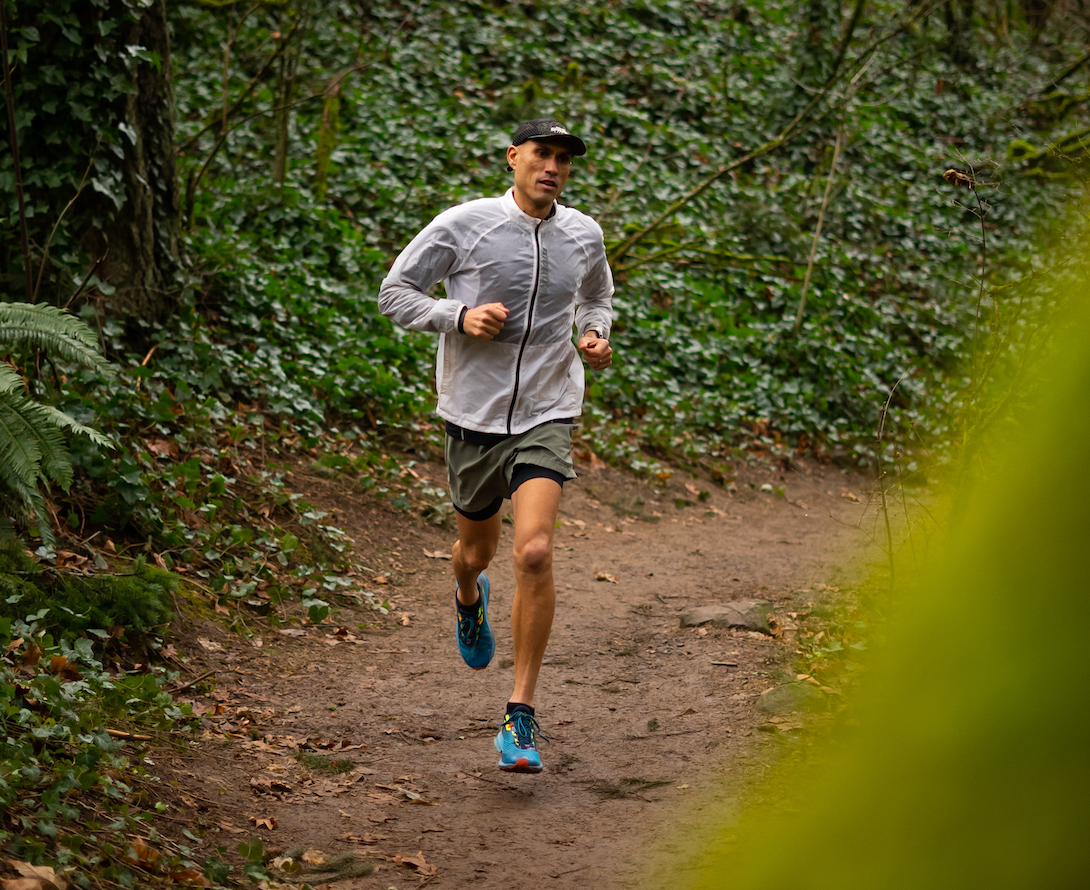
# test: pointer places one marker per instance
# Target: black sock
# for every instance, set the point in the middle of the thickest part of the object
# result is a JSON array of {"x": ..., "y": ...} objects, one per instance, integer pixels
[
  {"x": 518, "y": 706},
  {"x": 468, "y": 610}
]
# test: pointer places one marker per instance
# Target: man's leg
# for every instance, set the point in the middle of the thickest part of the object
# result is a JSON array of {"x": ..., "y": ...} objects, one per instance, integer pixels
[
  {"x": 472, "y": 553},
  {"x": 536, "y": 503}
]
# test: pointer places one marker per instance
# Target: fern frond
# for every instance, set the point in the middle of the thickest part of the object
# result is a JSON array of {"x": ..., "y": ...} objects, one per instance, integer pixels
[
  {"x": 20, "y": 499},
  {"x": 32, "y": 441},
  {"x": 18, "y": 455},
  {"x": 65, "y": 421},
  {"x": 53, "y": 330},
  {"x": 9, "y": 380}
]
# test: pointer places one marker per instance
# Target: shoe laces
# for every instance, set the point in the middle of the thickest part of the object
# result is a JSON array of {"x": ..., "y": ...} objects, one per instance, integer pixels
[
  {"x": 468, "y": 624},
  {"x": 525, "y": 729}
]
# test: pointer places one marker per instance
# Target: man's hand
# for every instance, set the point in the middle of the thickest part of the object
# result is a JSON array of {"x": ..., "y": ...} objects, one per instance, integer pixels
[
  {"x": 596, "y": 351},
  {"x": 484, "y": 322}
]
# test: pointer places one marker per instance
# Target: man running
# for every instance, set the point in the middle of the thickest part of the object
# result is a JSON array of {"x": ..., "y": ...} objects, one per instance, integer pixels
[{"x": 519, "y": 271}]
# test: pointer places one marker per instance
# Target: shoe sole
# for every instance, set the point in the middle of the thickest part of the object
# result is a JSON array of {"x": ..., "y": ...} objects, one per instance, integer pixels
[{"x": 522, "y": 765}]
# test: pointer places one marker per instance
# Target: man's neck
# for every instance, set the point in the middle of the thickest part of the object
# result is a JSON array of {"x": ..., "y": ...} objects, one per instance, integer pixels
[{"x": 531, "y": 209}]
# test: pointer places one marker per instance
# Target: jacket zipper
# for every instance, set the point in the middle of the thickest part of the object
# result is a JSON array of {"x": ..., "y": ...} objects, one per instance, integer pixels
[{"x": 529, "y": 323}]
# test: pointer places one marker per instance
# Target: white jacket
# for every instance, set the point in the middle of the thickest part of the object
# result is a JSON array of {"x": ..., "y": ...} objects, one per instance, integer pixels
[{"x": 550, "y": 274}]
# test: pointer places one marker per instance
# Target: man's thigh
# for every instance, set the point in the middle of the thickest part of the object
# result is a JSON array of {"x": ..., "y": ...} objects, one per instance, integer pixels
[
  {"x": 481, "y": 537},
  {"x": 536, "y": 504}
]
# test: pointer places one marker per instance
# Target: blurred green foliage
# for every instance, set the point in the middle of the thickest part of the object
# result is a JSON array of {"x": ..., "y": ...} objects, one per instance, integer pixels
[{"x": 963, "y": 763}]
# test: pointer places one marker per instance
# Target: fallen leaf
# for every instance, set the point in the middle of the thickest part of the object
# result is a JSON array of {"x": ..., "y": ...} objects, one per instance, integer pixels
[
  {"x": 686, "y": 712},
  {"x": 60, "y": 664},
  {"x": 315, "y": 857},
  {"x": 848, "y": 496},
  {"x": 418, "y": 862},
  {"x": 268, "y": 822},
  {"x": 367, "y": 838},
  {"x": 292, "y": 631},
  {"x": 436, "y": 554},
  {"x": 192, "y": 875},
  {"x": 161, "y": 447},
  {"x": 34, "y": 877},
  {"x": 380, "y": 579},
  {"x": 602, "y": 576},
  {"x": 210, "y": 645},
  {"x": 139, "y": 853},
  {"x": 230, "y": 829}
]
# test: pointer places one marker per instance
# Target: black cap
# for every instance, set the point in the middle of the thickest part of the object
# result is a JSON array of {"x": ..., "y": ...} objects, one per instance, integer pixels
[{"x": 547, "y": 128}]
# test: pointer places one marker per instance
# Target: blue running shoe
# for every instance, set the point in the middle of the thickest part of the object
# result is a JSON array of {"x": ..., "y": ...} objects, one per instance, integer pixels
[
  {"x": 517, "y": 743},
  {"x": 475, "y": 640}
]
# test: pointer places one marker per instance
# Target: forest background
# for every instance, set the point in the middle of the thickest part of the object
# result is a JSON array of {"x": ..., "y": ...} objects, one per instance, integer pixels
[{"x": 831, "y": 225}]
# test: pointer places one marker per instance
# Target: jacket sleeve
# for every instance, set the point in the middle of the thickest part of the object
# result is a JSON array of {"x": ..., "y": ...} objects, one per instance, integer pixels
[
  {"x": 403, "y": 296},
  {"x": 594, "y": 300}
]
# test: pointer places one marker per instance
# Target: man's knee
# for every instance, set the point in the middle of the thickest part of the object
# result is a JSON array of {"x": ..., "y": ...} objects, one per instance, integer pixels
[
  {"x": 534, "y": 554},
  {"x": 477, "y": 555}
]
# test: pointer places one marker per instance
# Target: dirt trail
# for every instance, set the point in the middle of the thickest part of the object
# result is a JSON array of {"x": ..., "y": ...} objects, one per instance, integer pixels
[{"x": 641, "y": 712}]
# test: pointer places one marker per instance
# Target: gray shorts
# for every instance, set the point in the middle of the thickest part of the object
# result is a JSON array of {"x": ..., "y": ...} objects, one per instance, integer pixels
[{"x": 483, "y": 469}]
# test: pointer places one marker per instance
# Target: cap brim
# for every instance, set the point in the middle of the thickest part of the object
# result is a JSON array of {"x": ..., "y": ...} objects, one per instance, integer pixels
[{"x": 577, "y": 146}]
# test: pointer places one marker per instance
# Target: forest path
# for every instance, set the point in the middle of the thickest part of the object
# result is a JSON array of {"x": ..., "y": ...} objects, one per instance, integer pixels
[{"x": 643, "y": 715}]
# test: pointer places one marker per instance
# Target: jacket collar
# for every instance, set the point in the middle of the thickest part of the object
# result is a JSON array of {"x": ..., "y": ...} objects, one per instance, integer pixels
[{"x": 520, "y": 216}]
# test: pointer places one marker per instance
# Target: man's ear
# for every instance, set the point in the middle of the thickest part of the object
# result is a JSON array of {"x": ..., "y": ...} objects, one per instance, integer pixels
[{"x": 512, "y": 153}]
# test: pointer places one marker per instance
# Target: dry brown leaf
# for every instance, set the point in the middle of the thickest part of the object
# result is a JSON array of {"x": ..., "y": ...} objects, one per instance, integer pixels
[
  {"x": 210, "y": 645},
  {"x": 603, "y": 576},
  {"x": 60, "y": 664},
  {"x": 34, "y": 877},
  {"x": 315, "y": 857},
  {"x": 436, "y": 554},
  {"x": 367, "y": 838},
  {"x": 422, "y": 866},
  {"x": 139, "y": 853},
  {"x": 957, "y": 179},
  {"x": 191, "y": 875},
  {"x": 268, "y": 822},
  {"x": 161, "y": 447}
]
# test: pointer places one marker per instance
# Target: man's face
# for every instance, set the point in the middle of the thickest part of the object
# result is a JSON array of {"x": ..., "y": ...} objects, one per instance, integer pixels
[{"x": 541, "y": 169}]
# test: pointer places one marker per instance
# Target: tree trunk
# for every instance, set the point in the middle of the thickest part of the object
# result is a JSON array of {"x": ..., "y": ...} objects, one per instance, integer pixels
[{"x": 140, "y": 241}]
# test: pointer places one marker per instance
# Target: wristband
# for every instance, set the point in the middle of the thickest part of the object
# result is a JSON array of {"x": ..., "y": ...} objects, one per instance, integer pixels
[{"x": 461, "y": 319}]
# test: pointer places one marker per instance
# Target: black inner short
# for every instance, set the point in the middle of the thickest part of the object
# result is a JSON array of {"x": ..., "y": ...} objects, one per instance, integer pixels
[{"x": 520, "y": 474}]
